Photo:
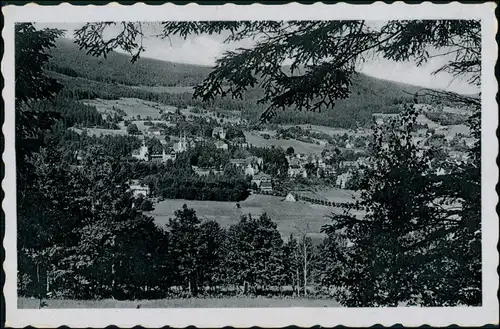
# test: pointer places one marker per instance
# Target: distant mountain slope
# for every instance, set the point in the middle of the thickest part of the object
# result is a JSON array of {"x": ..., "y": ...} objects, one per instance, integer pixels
[
  {"x": 369, "y": 95},
  {"x": 117, "y": 68}
]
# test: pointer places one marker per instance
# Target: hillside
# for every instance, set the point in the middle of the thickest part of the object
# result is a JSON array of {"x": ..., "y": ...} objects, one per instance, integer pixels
[
  {"x": 117, "y": 68},
  {"x": 155, "y": 79}
]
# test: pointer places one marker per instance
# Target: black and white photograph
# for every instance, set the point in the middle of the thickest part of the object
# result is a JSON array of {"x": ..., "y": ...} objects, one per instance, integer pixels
[{"x": 309, "y": 164}]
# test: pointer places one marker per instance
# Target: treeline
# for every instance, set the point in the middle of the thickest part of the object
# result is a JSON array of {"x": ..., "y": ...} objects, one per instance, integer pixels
[
  {"x": 122, "y": 254},
  {"x": 117, "y": 68},
  {"x": 69, "y": 143},
  {"x": 80, "y": 88},
  {"x": 73, "y": 113},
  {"x": 181, "y": 182},
  {"x": 447, "y": 118},
  {"x": 356, "y": 111},
  {"x": 82, "y": 235}
]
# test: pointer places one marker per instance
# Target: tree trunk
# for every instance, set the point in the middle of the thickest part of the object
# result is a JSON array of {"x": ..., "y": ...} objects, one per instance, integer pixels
[
  {"x": 305, "y": 267},
  {"x": 298, "y": 282},
  {"x": 39, "y": 288},
  {"x": 113, "y": 271}
]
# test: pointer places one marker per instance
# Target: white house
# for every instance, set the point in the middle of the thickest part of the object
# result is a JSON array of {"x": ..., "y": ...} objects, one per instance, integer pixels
[
  {"x": 290, "y": 197},
  {"x": 219, "y": 132},
  {"x": 154, "y": 131},
  {"x": 138, "y": 189},
  {"x": 142, "y": 153},
  {"x": 221, "y": 145},
  {"x": 261, "y": 178},
  {"x": 342, "y": 179},
  {"x": 266, "y": 186},
  {"x": 297, "y": 172},
  {"x": 181, "y": 145}
]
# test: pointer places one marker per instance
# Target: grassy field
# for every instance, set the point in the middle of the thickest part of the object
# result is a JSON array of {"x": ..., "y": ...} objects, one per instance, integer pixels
[
  {"x": 291, "y": 217},
  {"x": 131, "y": 106},
  {"x": 230, "y": 117},
  {"x": 100, "y": 132},
  {"x": 255, "y": 139},
  {"x": 165, "y": 89},
  {"x": 330, "y": 130},
  {"x": 229, "y": 302}
]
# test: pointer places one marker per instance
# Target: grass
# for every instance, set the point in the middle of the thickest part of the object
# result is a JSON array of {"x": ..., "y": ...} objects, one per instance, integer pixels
[
  {"x": 100, "y": 132},
  {"x": 228, "y": 302},
  {"x": 329, "y": 130},
  {"x": 291, "y": 217},
  {"x": 255, "y": 139},
  {"x": 131, "y": 106},
  {"x": 165, "y": 89}
]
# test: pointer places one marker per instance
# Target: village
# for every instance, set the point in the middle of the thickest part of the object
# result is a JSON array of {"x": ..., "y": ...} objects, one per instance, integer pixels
[{"x": 335, "y": 162}]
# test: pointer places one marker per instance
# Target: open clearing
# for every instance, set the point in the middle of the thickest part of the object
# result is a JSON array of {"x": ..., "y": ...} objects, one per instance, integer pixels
[
  {"x": 165, "y": 89},
  {"x": 131, "y": 106},
  {"x": 332, "y": 131},
  {"x": 291, "y": 217},
  {"x": 100, "y": 132},
  {"x": 255, "y": 139},
  {"x": 230, "y": 302}
]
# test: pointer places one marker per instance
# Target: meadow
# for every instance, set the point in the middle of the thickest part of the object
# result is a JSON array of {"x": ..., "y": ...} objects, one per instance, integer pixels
[
  {"x": 166, "y": 89},
  {"x": 131, "y": 106},
  {"x": 255, "y": 139},
  {"x": 100, "y": 131},
  {"x": 291, "y": 217},
  {"x": 228, "y": 302}
]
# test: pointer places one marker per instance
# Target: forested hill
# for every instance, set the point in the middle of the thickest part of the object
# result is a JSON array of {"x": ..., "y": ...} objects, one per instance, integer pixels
[
  {"x": 369, "y": 95},
  {"x": 117, "y": 68}
]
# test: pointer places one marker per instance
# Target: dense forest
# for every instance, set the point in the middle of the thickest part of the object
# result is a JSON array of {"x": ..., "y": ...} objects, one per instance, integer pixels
[
  {"x": 67, "y": 59},
  {"x": 91, "y": 77}
]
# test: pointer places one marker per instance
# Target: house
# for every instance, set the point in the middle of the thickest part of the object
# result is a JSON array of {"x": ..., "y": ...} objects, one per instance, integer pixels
[
  {"x": 329, "y": 170},
  {"x": 266, "y": 187},
  {"x": 142, "y": 153},
  {"x": 348, "y": 164},
  {"x": 290, "y": 197},
  {"x": 181, "y": 145},
  {"x": 262, "y": 178},
  {"x": 219, "y": 132},
  {"x": 252, "y": 164},
  {"x": 163, "y": 157},
  {"x": 138, "y": 189},
  {"x": 221, "y": 145},
  {"x": 206, "y": 171},
  {"x": 297, "y": 172},
  {"x": 342, "y": 179},
  {"x": 154, "y": 131},
  {"x": 469, "y": 141},
  {"x": 238, "y": 162},
  {"x": 255, "y": 160},
  {"x": 250, "y": 170}
]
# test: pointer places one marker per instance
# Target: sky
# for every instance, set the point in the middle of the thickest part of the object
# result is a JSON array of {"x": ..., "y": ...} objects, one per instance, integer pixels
[{"x": 204, "y": 49}]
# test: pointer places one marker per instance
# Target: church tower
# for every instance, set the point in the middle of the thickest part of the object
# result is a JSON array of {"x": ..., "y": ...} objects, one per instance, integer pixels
[{"x": 144, "y": 151}]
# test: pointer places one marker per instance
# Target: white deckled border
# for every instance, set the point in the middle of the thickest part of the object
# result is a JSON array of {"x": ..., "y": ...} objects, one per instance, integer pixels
[{"x": 264, "y": 317}]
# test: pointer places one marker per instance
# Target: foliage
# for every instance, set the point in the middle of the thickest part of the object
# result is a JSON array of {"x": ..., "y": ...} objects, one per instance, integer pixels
[
  {"x": 368, "y": 95},
  {"x": 324, "y": 54},
  {"x": 72, "y": 113},
  {"x": 132, "y": 129},
  {"x": 254, "y": 253},
  {"x": 407, "y": 247}
]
